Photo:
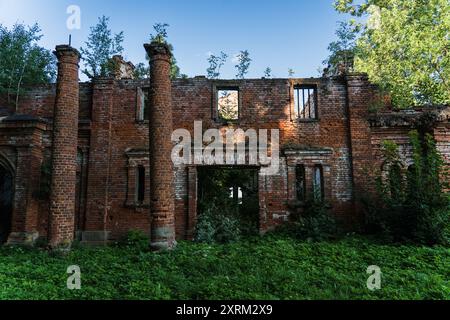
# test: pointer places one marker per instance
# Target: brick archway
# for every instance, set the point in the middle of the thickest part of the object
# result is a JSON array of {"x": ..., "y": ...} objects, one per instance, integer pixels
[{"x": 6, "y": 198}]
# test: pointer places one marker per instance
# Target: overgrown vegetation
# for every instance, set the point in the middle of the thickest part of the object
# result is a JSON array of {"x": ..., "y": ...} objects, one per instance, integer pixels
[
  {"x": 215, "y": 64},
  {"x": 411, "y": 203},
  {"x": 160, "y": 35},
  {"x": 272, "y": 267},
  {"x": 229, "y": 206},
  {"x": 243, "y": 64},
  {"x": 313, "y": 222}
]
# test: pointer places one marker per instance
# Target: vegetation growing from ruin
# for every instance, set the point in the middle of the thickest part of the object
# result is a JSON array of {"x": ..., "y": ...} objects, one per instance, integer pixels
[
  {"x": 404, "y": 48},
  {"x": 160, "y": 35},
  {"x": 314, "y": 222},
  {"x": 270, "y": 267},
  {"x": 268, "y": 73},
  {"x": 343, "y": 50},
  {"x": 23, "y": 61},
  {"x": 243, "y": 64},
  {"x": 229, "y": 205},
  {"x": 215, "y": 64},
  {"x": 100, "y": 47},
  {"x": 411, "y": 203}
]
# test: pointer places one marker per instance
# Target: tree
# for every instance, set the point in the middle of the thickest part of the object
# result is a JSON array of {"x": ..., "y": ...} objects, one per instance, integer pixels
[
  {"x": 160, "y": 36},
  {"x": 268, "y": 73},
  {"x": 243, "y": 64},
  {"x": 342, "y": 51},
  {"x": 23, "y": 61},
  {"x": 215, "y": 64},
  {"x": 404, "y": 47},
  {"x": 100, "y": 48},
  {"x": 141, "y": 71}
]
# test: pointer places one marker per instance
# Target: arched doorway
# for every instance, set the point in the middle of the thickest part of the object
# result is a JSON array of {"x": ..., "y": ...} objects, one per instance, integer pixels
[{"x": 6, "y": 196}]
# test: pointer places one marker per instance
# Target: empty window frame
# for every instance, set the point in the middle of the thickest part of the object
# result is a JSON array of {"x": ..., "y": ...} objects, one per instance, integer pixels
[
  {"x": 319, "y": 190},
  {"x": 228, "y": 103},
  {"x": 140, "y": 184},
  {"x": 300, "y": 182},
  {"x": 305, "y": 100},
  {"x": 142, "y": 104}
]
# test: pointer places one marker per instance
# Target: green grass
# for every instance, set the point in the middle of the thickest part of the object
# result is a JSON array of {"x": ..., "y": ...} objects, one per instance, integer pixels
[{"x": 267, "y": 268}]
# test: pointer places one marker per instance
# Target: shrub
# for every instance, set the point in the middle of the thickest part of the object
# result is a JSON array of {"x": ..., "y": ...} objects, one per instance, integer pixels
[
  {"x": 314, "y": 223},
  {"x": 135, "y": 239},
  {"x": 217, "y": 225},
  {"x": 317, "y": 223}
]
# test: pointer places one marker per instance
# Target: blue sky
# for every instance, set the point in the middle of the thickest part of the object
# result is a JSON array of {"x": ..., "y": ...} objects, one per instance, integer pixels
[{"x": 278, "y": 34}]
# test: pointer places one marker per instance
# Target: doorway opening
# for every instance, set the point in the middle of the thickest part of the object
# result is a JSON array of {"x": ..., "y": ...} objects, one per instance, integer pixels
[
  {"x": 231, "y": 194},
  {"x": 6, "y": 196}
]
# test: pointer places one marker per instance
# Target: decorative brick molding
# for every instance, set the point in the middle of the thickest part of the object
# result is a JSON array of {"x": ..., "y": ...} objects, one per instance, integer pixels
[{"x": 137, "y": 158}]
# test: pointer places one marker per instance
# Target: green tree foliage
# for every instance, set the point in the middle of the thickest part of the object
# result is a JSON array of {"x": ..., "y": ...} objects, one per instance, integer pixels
[
  {"x": 160, "y": 35},
  {"x": 342, "y": 51},
  {"x": 411, "y": 203},
  {"x": 215, "y": 64},
  {"x": 23, "y": 61},
  {"x": 268, "y": 73},
  {"x": 291, "y": 72},
  {"x": 405, "y": 48},
  {"x": 102, "y": 44},
  {"x": 141, "y": 71},
  {"x": 243, "y": 64}
]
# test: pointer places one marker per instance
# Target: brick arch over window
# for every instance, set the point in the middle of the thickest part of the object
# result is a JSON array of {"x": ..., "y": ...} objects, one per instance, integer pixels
[{"x": 6, "y": 163}]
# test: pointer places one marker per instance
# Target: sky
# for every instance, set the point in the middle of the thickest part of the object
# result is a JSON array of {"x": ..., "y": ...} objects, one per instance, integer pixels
[{"x": 278, "y": 34}]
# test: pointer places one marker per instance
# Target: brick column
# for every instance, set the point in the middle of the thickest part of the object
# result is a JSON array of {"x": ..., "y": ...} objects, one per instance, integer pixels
[
  {"x": 360, "y": 94},
  {"x": 65, "y": 139},
  {"x": 162, "y": 193}
]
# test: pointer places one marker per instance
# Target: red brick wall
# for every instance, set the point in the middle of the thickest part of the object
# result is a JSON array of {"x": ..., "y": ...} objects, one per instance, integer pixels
[{"x": 109, "y": 132}]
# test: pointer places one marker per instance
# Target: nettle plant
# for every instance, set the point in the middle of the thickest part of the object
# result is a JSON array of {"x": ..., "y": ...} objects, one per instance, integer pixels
[{"x": 411, "y": 203}]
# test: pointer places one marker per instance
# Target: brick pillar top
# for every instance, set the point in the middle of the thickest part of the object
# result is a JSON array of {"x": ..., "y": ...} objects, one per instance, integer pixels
[
  {"x": 156, "y": 51},
  {"x": 67, "y": 53}
]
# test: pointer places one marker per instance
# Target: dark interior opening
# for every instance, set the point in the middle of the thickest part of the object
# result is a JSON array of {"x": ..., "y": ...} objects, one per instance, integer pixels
[
  {"x": 6, "y": 194},
  {"x": 232, "y": 191},
  {"x": 141, "y": 184}
]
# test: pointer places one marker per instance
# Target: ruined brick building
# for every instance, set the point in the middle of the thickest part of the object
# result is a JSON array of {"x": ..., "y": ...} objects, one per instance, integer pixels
[{"x": 89, "y": 145}]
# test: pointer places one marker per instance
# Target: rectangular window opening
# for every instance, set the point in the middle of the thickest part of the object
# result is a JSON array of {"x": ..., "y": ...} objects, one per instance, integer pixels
[
  {"x": 228, "y": 104},
  {"x": 305, "y": 100},
  {"x": 140, "y": 188},
  {"x": 319, "y": 191},
  {"x": 300, "y": 182},
  {"x": 143, "y": 105}
]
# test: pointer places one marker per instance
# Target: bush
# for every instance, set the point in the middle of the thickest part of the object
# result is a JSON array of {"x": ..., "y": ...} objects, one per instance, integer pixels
[
  {"x": 315, "y": 222},
  {"x": 216, "y": 225},
  {"x": 135, "y": 239}
]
